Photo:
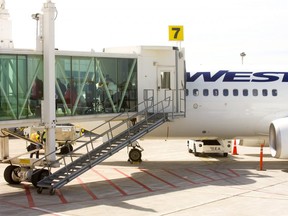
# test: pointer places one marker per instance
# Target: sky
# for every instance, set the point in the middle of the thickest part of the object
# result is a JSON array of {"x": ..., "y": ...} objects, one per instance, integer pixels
[{"x": 215, "y": 31}]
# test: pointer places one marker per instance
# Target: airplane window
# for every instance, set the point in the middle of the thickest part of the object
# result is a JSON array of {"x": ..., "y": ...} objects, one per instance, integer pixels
[
  {"x": 274, "y": 92},
  {"x": 215, "y": 92},
  {"x": 195, "y": 92},
  {"x": 245, "y": 92},
  {"x": 235, "y": 92},
  {"x": 264, "y": 92},
  {"x": 255, "y": 92},
  {"x": 225, "y": 92},
  {"x": 205, "y": 92}
]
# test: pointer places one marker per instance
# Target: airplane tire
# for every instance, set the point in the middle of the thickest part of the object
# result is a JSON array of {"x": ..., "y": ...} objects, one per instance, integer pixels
[
  {"x": 10, "y": 175},
  {"x": 135, "y": 155}
]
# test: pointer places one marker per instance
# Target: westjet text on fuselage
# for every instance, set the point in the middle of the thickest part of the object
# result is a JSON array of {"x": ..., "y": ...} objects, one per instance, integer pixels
[{"x": 231, "y": 76}]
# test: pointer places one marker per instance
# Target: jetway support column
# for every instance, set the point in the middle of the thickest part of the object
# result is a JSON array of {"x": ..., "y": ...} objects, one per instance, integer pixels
[
  {"x": 4, "y": 146},
  {"x": 48, "y": 105}
]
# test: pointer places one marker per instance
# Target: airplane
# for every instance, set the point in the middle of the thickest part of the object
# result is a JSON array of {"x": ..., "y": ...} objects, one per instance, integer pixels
[{"x": 234, "y": 103}]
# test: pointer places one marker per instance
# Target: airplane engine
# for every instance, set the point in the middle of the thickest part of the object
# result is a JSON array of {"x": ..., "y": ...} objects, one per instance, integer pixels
[{"x": 278, "y": 138}]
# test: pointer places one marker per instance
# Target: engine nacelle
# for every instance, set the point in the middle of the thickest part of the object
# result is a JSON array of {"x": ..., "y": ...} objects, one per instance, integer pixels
[{"x": 278, "y": 138}]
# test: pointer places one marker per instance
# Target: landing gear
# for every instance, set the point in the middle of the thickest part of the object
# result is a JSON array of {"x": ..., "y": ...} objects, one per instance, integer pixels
[{"x": 135, "y": 153}]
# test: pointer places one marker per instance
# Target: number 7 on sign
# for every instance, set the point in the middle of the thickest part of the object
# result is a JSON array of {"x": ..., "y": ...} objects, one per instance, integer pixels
[{"x": 176, "y": 33}]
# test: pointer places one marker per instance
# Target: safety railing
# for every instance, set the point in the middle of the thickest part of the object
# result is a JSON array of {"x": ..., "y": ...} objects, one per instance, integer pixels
[{"x": 108, "y": 130}]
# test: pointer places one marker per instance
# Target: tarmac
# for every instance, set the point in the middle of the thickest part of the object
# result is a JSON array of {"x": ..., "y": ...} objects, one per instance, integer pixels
[{"x": 169, "y": 181}]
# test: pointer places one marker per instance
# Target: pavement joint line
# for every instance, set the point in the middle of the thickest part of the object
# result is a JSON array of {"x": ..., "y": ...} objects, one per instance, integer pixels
[{"x": 217, "y": 200}]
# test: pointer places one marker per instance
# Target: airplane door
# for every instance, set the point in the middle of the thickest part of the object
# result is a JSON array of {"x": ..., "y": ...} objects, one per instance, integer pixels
[{"x": 165, "y": 82}]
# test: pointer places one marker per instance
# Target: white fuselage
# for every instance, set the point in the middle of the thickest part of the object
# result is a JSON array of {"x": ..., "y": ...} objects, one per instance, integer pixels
[{"x": 229, "y": 104}]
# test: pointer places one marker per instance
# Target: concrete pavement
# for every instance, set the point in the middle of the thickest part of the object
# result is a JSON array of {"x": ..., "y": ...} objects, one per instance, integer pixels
[{"x": 169, "y": 181}]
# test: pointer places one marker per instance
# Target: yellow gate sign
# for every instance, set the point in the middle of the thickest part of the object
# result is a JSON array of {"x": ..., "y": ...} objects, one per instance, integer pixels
[{"x": 176, "y": 33}]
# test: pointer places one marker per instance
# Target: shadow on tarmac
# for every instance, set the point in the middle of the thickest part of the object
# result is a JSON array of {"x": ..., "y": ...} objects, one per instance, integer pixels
[{"x": 180, "y": 174}]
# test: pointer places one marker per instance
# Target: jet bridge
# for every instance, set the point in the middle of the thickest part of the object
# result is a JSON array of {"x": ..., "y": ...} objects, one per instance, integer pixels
[
  {"x": 46, "y": 86},
  {"x": 132, "y": 70}
]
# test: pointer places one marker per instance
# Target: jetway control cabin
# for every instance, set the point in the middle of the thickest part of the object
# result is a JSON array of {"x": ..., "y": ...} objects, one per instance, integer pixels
[{"x": 89, "y": 83}]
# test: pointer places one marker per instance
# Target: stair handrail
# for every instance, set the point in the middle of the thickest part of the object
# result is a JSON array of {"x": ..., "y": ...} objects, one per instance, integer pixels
[{"x": 125, "y": 121}]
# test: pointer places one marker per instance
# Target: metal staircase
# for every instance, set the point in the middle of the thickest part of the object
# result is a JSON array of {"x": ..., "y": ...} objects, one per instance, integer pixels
[{"x": 118, "y": 136}]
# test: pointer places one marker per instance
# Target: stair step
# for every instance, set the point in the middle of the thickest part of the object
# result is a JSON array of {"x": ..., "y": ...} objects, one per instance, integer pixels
[{"x": 97, "y": 155}]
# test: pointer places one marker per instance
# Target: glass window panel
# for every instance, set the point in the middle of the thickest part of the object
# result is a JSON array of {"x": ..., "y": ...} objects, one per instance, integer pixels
[
  {"x": 127, "y": 84},
  {"x": 8, "y": 90},
  {"x": 82, "y": 75},
  {"x": 63, "y": 74},
  {"x": 165, "y": 80},
  {"x": 35, "y": 83}
]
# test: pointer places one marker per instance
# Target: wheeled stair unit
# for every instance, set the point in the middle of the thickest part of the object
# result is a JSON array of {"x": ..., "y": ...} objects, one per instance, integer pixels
[{"x": 129, "y": 133}]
